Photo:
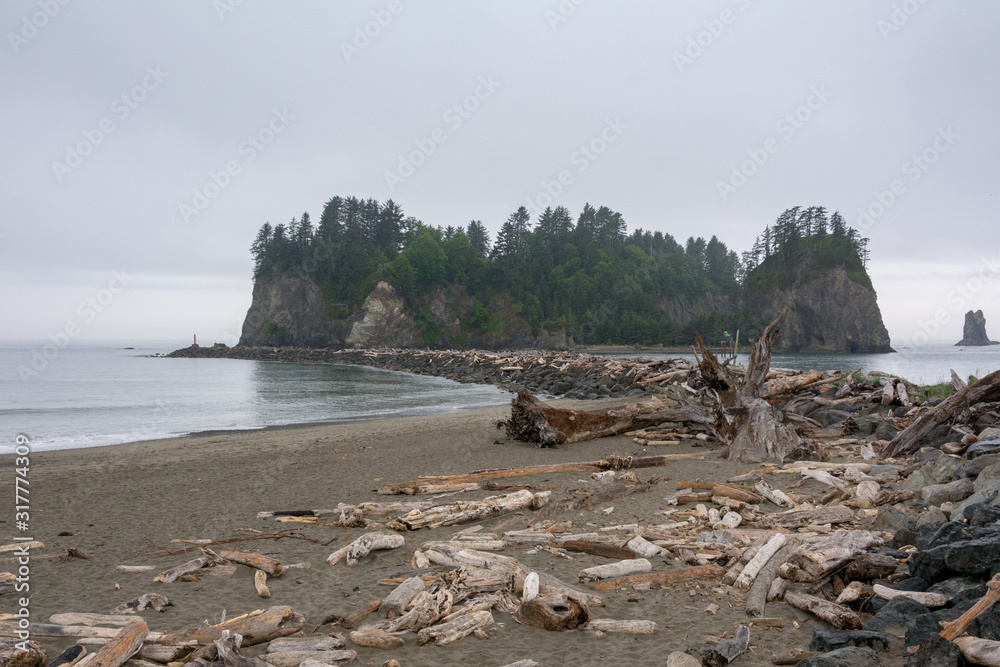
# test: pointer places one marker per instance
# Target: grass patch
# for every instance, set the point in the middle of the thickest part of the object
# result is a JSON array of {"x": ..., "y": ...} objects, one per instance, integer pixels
[{"x": 942, "y": 390}]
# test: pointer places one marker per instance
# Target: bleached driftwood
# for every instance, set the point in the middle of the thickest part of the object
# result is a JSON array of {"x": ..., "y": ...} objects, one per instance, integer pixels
[
  {"x": 926, "y": 599},
  {"x": 643, "y": 547},
  {"x": 466, "y": 511},
  {"x": 370, "y": 637},
  {"x": 729, "y": 649},
  {"x": 175, "y": 573},
  {"x": 396, "y": 602},
  {"x": 553, "y": 612},
  {"x": 629, "y": 627},
  {"x": 529, "y": 589},
  {"x": 256, "y": 628},
  {"x": 153, "y": 600},
  {"x": 364, "y": 545},
  {"x": 447, "y": 633},
  {"x": 260, "y": 583},
  {"x": 117, "y": 620},
  {"x": 133, "y": 569},
  {"x": 263, "y": 563},
  {"x": 22, "y": 654},
  {"x": 851, "y": 593},
  {"x": 776, "y": 496},
  {"x": 352, "y": 617},
  {"x": 298, "y": 658},
  {"x": 619, "y": 569},
  {"x": 979, "y": 651},
  {"x": 763, "y": 588},
  {"x": 836, "y": 615},
  {"x": 764, "y": 554},
  {"x": 803, "y": 517},
  {"x": 661, "y": 578},
  {"x": 123, "y": 646},
  {"x": 228, "y": 648},
  {"x": 313, "y": 643}
]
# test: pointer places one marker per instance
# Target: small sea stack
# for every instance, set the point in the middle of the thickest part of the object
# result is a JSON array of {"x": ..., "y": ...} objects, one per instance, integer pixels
[{"x": 974, "y": 332}]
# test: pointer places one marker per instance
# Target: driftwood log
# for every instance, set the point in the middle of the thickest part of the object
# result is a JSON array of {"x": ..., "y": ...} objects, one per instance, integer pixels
[
  {"x": 554, "y": 612},
  {"x": 980, "y": 651},
  {"x": 624, "y": 627},
  {"x": 610, "y": 463},
  {"x": 729, "y": 649},
  {"x": 22, "y": 654},
  {"x": 908, "y": 440},
  {"x": 839, "y": 617},
  {"x": 256, "y": 628},
  {"x": 760, "y": 591},
  {"x": 731, "y": 405},
  {"x": 228, "y": 647},
  {"x": 123, "y": 646}
]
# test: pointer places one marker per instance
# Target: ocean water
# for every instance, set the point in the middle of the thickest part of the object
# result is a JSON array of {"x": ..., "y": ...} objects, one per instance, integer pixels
[
  {"x": 101, "y": 395},
  {"x": 95, "y": 396},
  {"x": 927, "y": 364}
]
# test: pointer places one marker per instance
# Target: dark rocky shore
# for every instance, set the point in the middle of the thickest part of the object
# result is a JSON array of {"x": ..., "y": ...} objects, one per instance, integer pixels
[{"x": 562, "y": 374}]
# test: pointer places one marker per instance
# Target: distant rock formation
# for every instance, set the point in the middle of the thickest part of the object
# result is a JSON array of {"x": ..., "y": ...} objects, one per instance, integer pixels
[
  {"x": 974, "y": 332},
  {"x": 290, "y": 310},
  {"x": 830, "y": 313}
]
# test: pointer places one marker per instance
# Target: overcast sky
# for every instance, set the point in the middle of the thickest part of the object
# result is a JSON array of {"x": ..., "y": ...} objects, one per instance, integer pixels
[{"x": 152, "y": 139}]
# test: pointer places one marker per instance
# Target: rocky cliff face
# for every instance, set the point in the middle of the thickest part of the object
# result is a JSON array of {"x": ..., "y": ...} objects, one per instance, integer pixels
[
  {"x": 289, "y": 310},
  {"x": 829, "y": 313},
  {"x": 974, "y": 332}
]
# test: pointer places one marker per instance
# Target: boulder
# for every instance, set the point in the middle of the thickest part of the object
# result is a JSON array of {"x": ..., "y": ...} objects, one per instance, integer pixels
[
  {"x": 956, "y": 491},
  {"x": 945, "y": 468},
  {"x": 933, "y": 518},
  {"x": 928, "y": 624},
  {"x": 936, "y": 651},
  {"x": 973, "y": 467},
  {"x": 988, "y": 478},
  {"x": 959, "y": 589},
  {"x": 899, "y": 612},
  {"x": 830, "y": 640},
  {"x": 850, "y": 656},
  {"x": 979, "y": 557},
  {"x": 894, "y": 518},
  {"x": 983, "y": 448},
  {"x": 974, "y": 330}
]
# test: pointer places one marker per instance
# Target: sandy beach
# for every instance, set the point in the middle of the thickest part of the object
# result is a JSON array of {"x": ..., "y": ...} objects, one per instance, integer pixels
[{"x": 124, "y": 504}]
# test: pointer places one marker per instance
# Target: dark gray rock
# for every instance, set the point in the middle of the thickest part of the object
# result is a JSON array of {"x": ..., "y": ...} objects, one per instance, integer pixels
[
  {"x": 913, "y": 584},
  {"x": 982, "y": 515},
  {"x": 931, "y": 519},
  {"x": 918, "y": 479},
  {"x": 952, "y": 492},
  {"x": 974, "y": 330},
  {"x": 929, "y": 624},
  {"x": 885, "y": 431},
  {"x": 899, "y": 612},
  {"x": 972, "y": 467},
  {"x": 988, "y": 479},
  {"x": 959, "y": 589},
  {"x": 945, "y": 468},
  {"x": 936, "y": 651},
  {"x": 983, "y": 448},
  {"x": 830, "y": 640},
  {"x": 978, "y": 557},
  {"x": 851, "y": 656},
  {"x": 893, "y": 518}
]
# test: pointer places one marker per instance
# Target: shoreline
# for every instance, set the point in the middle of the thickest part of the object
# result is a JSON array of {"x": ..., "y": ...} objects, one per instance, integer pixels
[{"x": 124, "y": 505}]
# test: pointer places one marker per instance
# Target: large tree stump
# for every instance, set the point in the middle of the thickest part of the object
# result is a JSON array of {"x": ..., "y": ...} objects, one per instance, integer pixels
[{"x": 731, "y": 405}]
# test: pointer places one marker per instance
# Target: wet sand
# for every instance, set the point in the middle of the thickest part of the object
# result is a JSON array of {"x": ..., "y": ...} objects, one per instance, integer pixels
[{"x": 124, "y": 504}]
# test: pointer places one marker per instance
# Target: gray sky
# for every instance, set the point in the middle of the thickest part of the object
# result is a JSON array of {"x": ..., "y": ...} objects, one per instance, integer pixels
[{"x": 117, "y": 115}]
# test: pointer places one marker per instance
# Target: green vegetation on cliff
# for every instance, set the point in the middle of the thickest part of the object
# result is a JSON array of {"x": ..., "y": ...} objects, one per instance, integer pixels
[{"x": 588, "y": 277}]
